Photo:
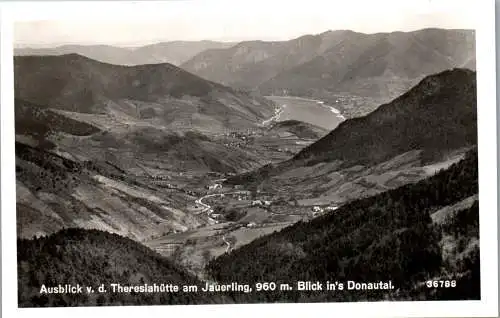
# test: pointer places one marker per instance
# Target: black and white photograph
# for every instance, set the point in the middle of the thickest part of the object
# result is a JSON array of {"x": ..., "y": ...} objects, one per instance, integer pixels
[{"x": 231, "y": 153}]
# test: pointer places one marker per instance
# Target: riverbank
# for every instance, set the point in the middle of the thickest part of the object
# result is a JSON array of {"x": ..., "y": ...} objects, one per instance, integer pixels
[
  {"x": 332, "y": 109},
  {"x": 277, "y": 113},
  {"x": 312, "y": 111}
]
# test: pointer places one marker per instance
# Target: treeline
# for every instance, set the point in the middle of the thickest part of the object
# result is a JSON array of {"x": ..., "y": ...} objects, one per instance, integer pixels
[
  {"x": 91, "y": 258},
  {"x": 39, "y": 122},
  {"x": 389, "y": 236},
  {"x": 50, "y": 170}
]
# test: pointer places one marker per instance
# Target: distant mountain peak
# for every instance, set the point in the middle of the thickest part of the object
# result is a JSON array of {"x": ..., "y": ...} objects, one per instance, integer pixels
[
  {"x": 174, "y": 52},
  {"x": 380, "y": 65}
]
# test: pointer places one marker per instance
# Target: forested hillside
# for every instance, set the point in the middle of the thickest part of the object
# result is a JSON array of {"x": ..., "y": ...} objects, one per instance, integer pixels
[
  {"x": 438, "y": 116},
  {"x": 91, "y": 258},
  {"x": 390, "y": 236}
]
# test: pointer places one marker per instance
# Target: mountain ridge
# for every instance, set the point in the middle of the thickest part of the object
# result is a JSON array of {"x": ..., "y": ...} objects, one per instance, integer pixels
[
  {"x": 379, "y": 66},
  {"x": 421, "y": 98},
  {"x": 76, "y": 83},
  {"x": 174, "y": 52}
]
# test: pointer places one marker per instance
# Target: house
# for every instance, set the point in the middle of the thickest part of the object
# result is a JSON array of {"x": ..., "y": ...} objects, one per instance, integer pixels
[
  {"x": 256, "y": 203},
  {"x": 317, "y": 209},
  {"x": 331, "y": 208},
  {"x": 215, "y": 186}
]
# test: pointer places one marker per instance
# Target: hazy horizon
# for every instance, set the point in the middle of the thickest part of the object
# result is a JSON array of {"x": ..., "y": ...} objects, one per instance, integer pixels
[
  {"x": 227, "y": 22},
  {"x": 136, "y": 45}
]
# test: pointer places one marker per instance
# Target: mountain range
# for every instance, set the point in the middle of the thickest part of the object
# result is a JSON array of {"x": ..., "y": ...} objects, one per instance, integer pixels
[
  {"x": 175, "y": 52},
  {"x": 343, "y": 62},
  {"x": 372, "y": 68}
]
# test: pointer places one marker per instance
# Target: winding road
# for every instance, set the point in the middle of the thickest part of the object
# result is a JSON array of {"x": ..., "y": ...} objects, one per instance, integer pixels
[{"x": 207, "y": 208}]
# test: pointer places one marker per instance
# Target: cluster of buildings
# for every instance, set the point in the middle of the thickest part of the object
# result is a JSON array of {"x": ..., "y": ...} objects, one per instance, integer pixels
[
  {"x": 161, "y": 177},
  {"x": 239, "y": 139},
  {"x": 241, "y": 133},
  {"x": 317, "y": 210},
  {"x": 214, "y": 186},
  {"x": 261, "y": 203}
]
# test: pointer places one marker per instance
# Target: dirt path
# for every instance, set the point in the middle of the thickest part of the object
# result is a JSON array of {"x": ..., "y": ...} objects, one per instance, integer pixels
[{"x": 228, "y": 244}]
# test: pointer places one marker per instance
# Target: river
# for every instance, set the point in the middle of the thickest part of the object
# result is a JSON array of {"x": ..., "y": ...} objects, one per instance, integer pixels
[{"x": 311, "y": 111}]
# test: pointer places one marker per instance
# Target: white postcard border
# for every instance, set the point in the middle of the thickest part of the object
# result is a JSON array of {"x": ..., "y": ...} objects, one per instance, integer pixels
[{"x": 487, "y": 148}]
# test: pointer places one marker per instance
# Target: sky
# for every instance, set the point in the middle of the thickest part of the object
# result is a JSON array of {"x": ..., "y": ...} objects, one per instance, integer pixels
[{"x": 133, "y": 24}]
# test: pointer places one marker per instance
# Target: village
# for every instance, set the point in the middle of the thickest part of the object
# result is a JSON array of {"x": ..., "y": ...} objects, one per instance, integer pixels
[
  {"x": 221, "y": 201},
  {"x": 239, "y": 139}
]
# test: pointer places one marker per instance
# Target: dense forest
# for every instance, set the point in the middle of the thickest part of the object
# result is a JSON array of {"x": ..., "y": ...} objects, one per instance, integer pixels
[
  {"x": 389, "y": 236},
  {"x": 91, "y": 258}
]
